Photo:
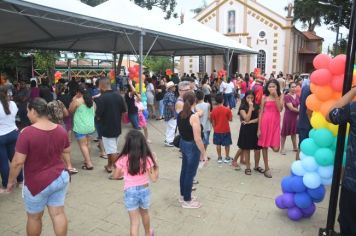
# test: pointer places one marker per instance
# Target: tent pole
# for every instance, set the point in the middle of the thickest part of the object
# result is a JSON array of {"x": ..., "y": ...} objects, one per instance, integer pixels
[
  {"x": 173, "y": 64},
  {"x": 115, "y": 68},
  {"x": 334, "y": 193},
  {"x": 69, "y": 63},
  {"x": 141, "y": 59},
  {"x": 227, "y": 64}
]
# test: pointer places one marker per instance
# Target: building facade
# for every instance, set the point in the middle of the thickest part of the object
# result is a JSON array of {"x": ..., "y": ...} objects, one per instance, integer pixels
[{"x": 281, "y": 46}]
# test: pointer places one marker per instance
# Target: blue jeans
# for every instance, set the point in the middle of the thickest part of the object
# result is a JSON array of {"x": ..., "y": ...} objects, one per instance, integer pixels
[
  {"x": 134, "y": 120},
  {"x": 7, "y": 151},
  {"x": 229, "y": 100},
  {"x": 161, "y": 108},
  {"x": 190, "y": 163}
]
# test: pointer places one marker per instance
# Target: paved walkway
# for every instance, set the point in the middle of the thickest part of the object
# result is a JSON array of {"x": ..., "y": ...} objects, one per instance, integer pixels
[{"x": 233, "y": 203}]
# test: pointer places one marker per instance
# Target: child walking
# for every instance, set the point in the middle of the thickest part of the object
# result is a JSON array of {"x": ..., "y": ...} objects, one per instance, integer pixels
[
  {"x": 142, "y": 122},
  {"x": 137, "y": 165},
  {"x": 269, "y": 122},
  {"x": 220, "y": 118}
]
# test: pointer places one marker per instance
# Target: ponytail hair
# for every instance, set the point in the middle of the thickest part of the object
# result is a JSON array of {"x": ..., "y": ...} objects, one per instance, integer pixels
[
  {"x": 189, "y": 99},
  {"x": 88, "y": 100},
  {"x": 4, "y": 99}
]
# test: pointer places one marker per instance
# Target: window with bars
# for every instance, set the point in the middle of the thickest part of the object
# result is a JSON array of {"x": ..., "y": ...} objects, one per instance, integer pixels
[{"x": 261, "y": 60}]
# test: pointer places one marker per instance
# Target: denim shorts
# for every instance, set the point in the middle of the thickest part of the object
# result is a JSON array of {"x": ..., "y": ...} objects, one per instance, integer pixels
[
  {"x": 137, "y": 197},
  {"x": 79, "y": 136},
  {"x": 206, "y": 135},
  {"x": 223, "y": 139},
  {"x": 53, "y": 195}
]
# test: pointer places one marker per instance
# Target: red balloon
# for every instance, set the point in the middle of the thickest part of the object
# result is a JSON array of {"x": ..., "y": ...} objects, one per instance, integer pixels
[
  {"x": 321, "y": 61},
  {"x": 337, "y": 82},
  {"x": 337, "y": 65},
  {"x": 321, "y": 77}
]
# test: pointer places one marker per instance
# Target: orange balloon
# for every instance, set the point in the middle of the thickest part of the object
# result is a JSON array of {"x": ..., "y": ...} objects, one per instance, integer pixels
[
  {"x": 325, "y": 107},
  {"x": 354, "y": 80},
  {"x": 337, "y": 95},
  {"x": 136, "y": 79},
  {"x": 313, "y": 103},
  {"x": 313, "y": 87},
  {"x": 324, "y": 93}
]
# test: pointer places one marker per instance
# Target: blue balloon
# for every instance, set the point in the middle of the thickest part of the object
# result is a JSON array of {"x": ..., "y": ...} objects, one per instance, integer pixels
[
  {"x": 302, "y": 200},
  {"x": 297, "y": 168},
  {"x": 146, "y": 114},
  {"x": 326, "y": 172},
  {"x": 308, "y": 146},
  {"x": 288, "y": 200},
  {"x": 279, "y": 203},
  {"x": 333, "y": 147},
  {"x": 309, "y": 164},
  {"x": 311, "y": 180},
  {"x": 344, "y": 160},
  {"x": 317, "y": 194},
  {"x": 323, "y": 137},
  {"x": 326, "y": 181},
  {"x": 297, "y": 184},
  {"x": 295, "y": 213},
  {"x": 302, "y": 155},
  {"x": 308, "y": 212},
  {"x": 286, "y": 184}
]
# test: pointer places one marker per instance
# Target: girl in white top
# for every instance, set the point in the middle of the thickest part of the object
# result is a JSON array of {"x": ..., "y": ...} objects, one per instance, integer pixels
[
  {"x": 150, "y": 91},
  {"x": 8, "y": 137}
]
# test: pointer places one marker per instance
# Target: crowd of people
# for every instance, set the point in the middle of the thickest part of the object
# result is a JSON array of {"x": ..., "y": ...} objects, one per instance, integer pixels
[{"x": 37, "y": 123}]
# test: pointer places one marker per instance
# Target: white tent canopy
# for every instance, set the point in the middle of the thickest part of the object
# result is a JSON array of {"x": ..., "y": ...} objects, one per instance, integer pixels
[{"x": 114, "y": 26}]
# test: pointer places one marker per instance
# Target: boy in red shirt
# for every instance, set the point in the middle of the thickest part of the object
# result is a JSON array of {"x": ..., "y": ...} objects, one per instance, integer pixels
[{"x": 220, "y": 117}]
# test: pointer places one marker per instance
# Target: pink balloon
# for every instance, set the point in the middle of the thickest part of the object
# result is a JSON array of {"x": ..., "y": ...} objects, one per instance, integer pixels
[
  {"x": 337, "y": 82},
  {"x": 321, "y": 61},
  {"x": 321, "y": 77},
  {"x": 337, "y": 65}
]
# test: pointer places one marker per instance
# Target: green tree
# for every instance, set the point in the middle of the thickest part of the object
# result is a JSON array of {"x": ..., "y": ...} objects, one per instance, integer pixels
[
  {"x": 167, "y": 6},
  {"x": 46, "y": 60},
  {"x": 332, "y": 14},
  {"x": 201, "y": 8},
  {"x": 10, "y": 60},
  {"x": 309, "y": 12},
  {"x": 158, "y": 64}
]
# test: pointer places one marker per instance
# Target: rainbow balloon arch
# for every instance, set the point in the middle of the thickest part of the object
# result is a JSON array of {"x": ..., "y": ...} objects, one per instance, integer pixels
[{"x": 309, "y": 175}]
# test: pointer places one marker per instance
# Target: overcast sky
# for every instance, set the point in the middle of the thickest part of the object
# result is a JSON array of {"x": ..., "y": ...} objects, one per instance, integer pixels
[{"x": 275, "y": 5}]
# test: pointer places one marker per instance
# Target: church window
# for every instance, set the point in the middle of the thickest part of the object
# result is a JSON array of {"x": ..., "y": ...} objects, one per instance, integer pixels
[
  {"x": 261, "y": 60},
  {"x": 231, "y": 18}
]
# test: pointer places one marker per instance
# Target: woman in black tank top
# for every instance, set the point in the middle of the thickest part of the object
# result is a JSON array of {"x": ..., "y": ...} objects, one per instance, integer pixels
[{"x": 192, "y": 148}]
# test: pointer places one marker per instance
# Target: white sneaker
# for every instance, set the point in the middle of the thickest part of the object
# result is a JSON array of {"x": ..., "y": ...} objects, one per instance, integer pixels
[
  {"x": 220, "y": 160},
  {"x": 191, "y": 205},
  {"x": 181, "y": 199}
]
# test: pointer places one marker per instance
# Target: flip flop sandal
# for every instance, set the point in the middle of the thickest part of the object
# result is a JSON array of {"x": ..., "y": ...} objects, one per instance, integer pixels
[
  {"x": 73, "y": 171},
  {"x": 248, "y": 172},
  {"x": 259, "y": 169},
  {"x": 112, "y": 178},
  {"x": 103, "y": 156},
  {"x": 107, "y": 169},
  {"x": 237, "y": 168},
  {"x": 85, "y": 167},
  {"x": 267, "y": 174}
]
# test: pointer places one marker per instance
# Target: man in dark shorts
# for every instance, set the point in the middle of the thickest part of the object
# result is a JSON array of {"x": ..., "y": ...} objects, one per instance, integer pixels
[{"x": 345, "y": 111}]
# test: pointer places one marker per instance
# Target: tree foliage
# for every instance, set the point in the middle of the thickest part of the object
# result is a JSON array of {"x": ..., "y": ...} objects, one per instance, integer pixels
[
  {"x": 167, "y": 6},
  {"x": 311, "y": 13},
  {"x": 158, "y": 64},
  {"x": 201, "y": 8}
]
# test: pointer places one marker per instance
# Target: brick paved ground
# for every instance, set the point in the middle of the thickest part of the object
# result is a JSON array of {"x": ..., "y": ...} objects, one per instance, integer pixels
[{"x": 233, "y": 203}]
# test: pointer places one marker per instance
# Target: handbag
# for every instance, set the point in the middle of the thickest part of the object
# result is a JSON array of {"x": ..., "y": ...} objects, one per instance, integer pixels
[{"x": 176, "y": 139}]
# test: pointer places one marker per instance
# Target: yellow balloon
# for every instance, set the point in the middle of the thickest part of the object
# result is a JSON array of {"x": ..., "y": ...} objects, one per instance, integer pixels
[
  {"x": 333, "y": 128},
  {"x": 318, "y": 121},
  {"x": 137, "y": 87}
]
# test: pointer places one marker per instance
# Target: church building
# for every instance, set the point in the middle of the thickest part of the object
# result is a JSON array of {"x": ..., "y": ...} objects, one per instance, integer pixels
[{"x": 280, "y": 46}]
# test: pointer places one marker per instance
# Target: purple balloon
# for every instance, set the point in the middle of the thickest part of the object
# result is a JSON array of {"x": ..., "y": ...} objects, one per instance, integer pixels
[
  {"x": 279, "y": 202},
  {"x": 295, "y": 213},
  {"x": 308, "y": 212},
  {"x": 288, "y": 200}
]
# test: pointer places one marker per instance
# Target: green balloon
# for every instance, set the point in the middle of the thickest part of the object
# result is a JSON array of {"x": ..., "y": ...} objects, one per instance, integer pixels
[
  {"x": 324, "y": 156},
  {"x": 308, "y": 147},
  {"x": 344, "y": 160},
  {"x": 311, "y": 133},
  {"x": 323, "y": 137},
  {"x": 334, "y": 144}
]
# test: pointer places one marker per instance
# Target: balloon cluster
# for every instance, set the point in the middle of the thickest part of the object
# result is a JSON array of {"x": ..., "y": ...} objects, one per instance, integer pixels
[
  {"x": 134, "y": 76},
  {"x": 169, "y": 72},
  {"x": 221, "y": 73},
  {"x": 309, "y": 176},
  {"x": 112, "y": 76},
  {"x": 57, "y": 76}
]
